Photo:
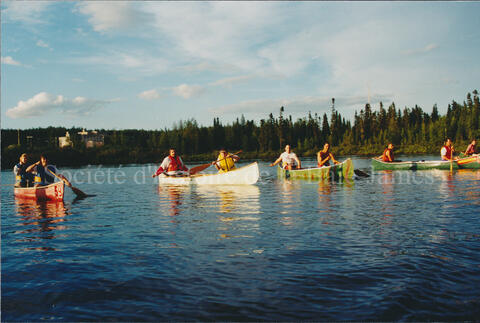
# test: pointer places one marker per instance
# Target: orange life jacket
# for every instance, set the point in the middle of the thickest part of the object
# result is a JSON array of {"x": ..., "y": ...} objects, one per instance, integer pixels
[
  {"x": 470, "y": 150},
  {"x": 384, "y": 156},
  {"x": 175, "y": 164}
]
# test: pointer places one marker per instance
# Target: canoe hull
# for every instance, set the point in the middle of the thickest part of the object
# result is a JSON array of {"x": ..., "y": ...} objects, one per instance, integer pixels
[
  {"x": 413, "y": 165},
  {"x": 472, "y": 162},
  {"x": 52, "y": 192},
  {"x": 341, "y": 171},
  {"x": 247, "y": 175}
]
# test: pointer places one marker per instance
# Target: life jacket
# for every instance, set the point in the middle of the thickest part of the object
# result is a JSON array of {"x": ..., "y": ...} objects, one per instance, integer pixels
[
  {"x": 21, "y": 179},
  {"x": 324, "y": 155},
  {"x": 384, "y": 156},
  {"x": 470, "y": 150},
  {"x": 43, "y": 176},
  {"x": 449, "y": 152},
  {"x": 226, "y": 164},
  {"x": 175, "y": 164}
]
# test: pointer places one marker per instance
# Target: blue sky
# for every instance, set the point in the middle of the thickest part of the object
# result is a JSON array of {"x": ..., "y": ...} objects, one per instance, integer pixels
[{"x": 147, "y": 65}]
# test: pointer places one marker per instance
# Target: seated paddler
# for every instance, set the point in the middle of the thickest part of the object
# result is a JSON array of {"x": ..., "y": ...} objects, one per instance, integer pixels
[
  {"x": 388, "y": 155},
  {"x": 45, "y": 174},
  {"x": 324, "y": 156},
  {"x": 172, "y": 165},
  {"x": 447, "y": 150},
  {"x": 289, "y": 159},
  {"x": 22, "y": 177},
  {"x": 471, "y": 148},
  {"x": 225, "y": 161}
]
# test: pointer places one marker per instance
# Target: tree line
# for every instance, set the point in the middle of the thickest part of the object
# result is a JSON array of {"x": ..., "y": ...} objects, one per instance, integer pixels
[{"x": 411, "y": 130}]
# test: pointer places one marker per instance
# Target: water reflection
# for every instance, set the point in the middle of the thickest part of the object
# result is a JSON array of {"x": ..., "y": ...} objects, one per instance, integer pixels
[
  {"x": 40, "y": 220},
  {"x": 387, "y": 199},
  {"x": 240, "y": 199},
  {"x": 172, "y": 196}
]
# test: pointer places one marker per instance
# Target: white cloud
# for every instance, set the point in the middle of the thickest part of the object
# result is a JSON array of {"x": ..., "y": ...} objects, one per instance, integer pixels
[
  {"x": 44, "y": 103},
  {"x": 232, "y": 80},
  {"x": 112, "y": 15},
  {"x": 41, "y": 43},
  {"x": 426, "y": 49},
  {"x": 129, "y": 65},
  {"x": 223, "y": 33},
  {"x": 188, "y": 91},
  {"x": 300, "y": 104},
  {"x": 149, "y": 95},
  {"x": 8, "y": 60},
  {"x": 29, "y": 12}
]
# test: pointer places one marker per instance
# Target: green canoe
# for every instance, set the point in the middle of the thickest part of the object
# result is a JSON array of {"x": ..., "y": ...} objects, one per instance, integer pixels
[
  {"x": 341, "y": 171},
  {"x": 412, "y": 165}
]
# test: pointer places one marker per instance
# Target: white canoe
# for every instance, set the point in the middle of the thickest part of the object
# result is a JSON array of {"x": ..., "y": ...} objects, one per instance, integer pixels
[{"x": 246, "y": 175}]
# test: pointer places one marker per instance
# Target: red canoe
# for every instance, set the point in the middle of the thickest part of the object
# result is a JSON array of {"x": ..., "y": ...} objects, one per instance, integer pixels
[{"x": 52, "y": 192}]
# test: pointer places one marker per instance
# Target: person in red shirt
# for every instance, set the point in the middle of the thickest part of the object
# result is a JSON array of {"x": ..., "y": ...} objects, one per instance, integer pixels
[
  {"x": 388, "y": 155},
  {"x": 172, "y": 165},
  {"x": 471, "y": 148}
]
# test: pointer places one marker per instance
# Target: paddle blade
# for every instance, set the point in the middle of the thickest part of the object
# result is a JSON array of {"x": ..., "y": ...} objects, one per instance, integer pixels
[
  {"x": 199, "y": 168},
  {"x": 360, "y": 173},
  {"x": 78, "y": 192}
]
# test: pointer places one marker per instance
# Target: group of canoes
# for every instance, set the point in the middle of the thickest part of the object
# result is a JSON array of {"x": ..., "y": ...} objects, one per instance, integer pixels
[
  {"x": 173, "y": 171},
  {"x": 467, "y": 160},
  {"x": 38, "y": 180}
]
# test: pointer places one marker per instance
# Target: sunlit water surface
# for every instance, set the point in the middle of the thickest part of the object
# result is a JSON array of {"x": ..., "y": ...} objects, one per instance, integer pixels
[{"x": 394, "y": 246}]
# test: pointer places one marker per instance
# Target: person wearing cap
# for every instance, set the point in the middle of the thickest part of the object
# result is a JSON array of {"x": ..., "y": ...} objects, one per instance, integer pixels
[
  {"x": 225, "y": 161},
  {"x": 44, "y": 173},
  {"x": 23, "y": 178}
]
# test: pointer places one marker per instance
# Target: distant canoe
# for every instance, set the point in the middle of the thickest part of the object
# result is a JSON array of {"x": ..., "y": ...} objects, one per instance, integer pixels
[
  {"x": 340, "y": 171},
  {"x": 52, "y": 192},
  {"x": 413, "y": 165},
  {"x": 471, "y": 162},
  {"x": 246, "y": 175}
]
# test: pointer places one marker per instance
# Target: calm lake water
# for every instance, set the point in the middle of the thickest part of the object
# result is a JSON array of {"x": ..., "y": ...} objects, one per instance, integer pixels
[{"x": 394, "y": 246}]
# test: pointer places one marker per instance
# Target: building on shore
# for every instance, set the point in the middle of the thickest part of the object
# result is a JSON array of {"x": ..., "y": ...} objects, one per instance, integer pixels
[
  {"x": 92, "y": 138},
  {"x": 65, "y": 141}
]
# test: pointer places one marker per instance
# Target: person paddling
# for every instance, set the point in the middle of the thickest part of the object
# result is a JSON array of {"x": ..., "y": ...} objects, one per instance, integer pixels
[
  {"x": 289, "y": 159},
  {"x": 471, "y": 148},
  {"x": 324, "y": 156},
  {"x": 172, "y": 165},
  {"x": 44, "y": 173},
  {"x": 22, "y": 177},
  {"x": 388, "y": 155},
  {"x": 225, "y": 161},
  {"x": 447, "y": 151}
]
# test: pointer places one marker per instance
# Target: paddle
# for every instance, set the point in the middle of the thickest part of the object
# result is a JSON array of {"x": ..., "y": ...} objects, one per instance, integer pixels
[
  {"x": 75, "y": 190},
  {"x": 360, "y": 173},
  {"x": 451, "y": 161},
  {"x": 199, "y": 168}
]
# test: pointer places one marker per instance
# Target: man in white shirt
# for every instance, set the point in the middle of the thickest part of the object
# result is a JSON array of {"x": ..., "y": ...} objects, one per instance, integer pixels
[
  {"x": 289, "y": 159},
  {"x": 447, "y": 151}
]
